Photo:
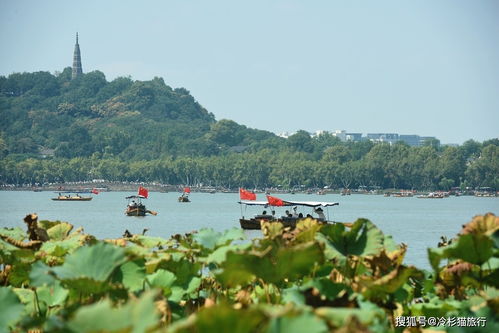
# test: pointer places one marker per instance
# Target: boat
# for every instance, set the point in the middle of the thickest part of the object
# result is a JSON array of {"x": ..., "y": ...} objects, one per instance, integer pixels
[
  {"x": 71, "y": 196},
  {"x": 432, "y": 195},
  {"x": 135, "y": 207},
  {"x": 185, "y": 195},
  {"x": 289, "y": 219}
]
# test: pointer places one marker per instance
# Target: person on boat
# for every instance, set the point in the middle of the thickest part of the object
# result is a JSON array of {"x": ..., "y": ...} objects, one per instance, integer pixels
[
  {"x": 132, "y": 204},
  {"x": 320, "y": 212},
  {"x": 295, "y": 213},
  {"x": 300, "y": 216}
]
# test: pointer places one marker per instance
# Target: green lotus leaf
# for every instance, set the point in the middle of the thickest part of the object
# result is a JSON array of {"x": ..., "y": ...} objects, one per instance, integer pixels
[
  {"x": 149, "y": 241},
  {"x": 132, "y": 274},
  {"x": 219, "y": 255},
  {"x": 178, "y": 292},
  {"x": 54, "y": 295},
  {"x": 95, "y": 262},
  {"x": 223, "y": 318},
  {"x": 135, "y": 316},
  {"x": 239, "y": 269},
  {"x": 389, "y": 283},
  {"x": 294, "y": 295},
  {"x": 27, "y": 297},
  {"x": 161, "y": 279},
  {"x": 183, "y": 269},
  {"x": 60, "y": 231},
  {"x": 41, "y": 274},
  {"x": 19, "y": 274},
  {"x": 288, "y": 263},
  {"x": 339, "y": 317},
  {"x": 231, "y": 235},
  {"x": 294, "y": 263},
  {"x": 11, "y": 309},
  {"x": 325, "y": 286},
  {"x": 60, "y": 248},
  {"x": 306, "y": 322},
  {"x": 436, "y": 308},
  {"x": 207, "y": 238},
  {"x": 14, "y": 233},
  {"x": 475, "y": 248},
  {"x": 363, "y": 239}
]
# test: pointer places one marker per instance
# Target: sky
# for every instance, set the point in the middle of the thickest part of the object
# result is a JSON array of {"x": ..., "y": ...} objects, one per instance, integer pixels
[{"x": 410, "y": 67}]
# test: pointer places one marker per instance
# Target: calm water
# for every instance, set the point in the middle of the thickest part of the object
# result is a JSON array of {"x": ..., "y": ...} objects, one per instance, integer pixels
[{"x": 416, "y": 222}]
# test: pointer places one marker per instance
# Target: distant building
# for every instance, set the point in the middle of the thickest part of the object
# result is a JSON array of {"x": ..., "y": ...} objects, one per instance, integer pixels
[
  {"x": 77, "y": 69},
  {"x": 411, "y": 140},
  {"x": 354, "y": 137}
]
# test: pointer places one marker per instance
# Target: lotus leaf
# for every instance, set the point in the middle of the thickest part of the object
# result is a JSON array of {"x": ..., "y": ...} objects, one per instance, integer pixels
[
  {"x": 183, "y": 269},
  {"x": 11, "y": 309},
  {"x": 59, "y": 231},
  {"x": 149, "y": 242},
  {"x": 14, "y": 233},
  {"x": 41, "y": 275},
  {"x": 132, "y": 274},
  {"x": 306, "y": 322},
  {"x": 95, "y": 262},
  {"x": 475, "y": 248},
  {"x": 223, "y": 318},
  {"x": 220, "y": 254},
  {"x": 178, "y": 292},
  {"x": 293, "y": 295},
  {"x": 161, "y": 279},
  {"x": 289, "y": 263},
  {"x": 135, "y": 316},
  {"x": 339, "y": 317},
  {"x": 363, "y": 239},
  {"x": 378, "y": 289}
]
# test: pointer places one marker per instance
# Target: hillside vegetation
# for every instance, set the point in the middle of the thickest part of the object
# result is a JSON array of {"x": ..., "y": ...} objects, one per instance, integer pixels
[{"x": 55, "y": 129}]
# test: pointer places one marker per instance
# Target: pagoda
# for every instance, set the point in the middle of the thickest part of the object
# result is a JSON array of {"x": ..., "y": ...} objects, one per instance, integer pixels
[{"x": 77, "y": 71}]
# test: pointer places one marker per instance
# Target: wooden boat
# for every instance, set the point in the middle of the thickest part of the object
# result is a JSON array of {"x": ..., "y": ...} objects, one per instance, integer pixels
[
  {"x": 290, "y": 219},
  {"x": 71, "y": 196},
  {"x": 432, "y": 195},
  {"x": 135, "y": 207},
  {"x": 185, "y": 195}
]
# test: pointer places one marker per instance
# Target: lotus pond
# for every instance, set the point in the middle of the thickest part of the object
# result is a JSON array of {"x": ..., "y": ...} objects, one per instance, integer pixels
[{"x": 315, "y": 278}]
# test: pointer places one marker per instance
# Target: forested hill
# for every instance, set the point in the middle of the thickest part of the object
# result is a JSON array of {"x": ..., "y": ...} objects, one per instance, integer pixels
[
  {"x": 134, "y": 120},
  {"x": 54, "y": 129}
]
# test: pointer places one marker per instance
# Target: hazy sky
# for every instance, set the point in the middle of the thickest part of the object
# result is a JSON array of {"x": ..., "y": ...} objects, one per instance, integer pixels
[{"x": 409, "y": 67}]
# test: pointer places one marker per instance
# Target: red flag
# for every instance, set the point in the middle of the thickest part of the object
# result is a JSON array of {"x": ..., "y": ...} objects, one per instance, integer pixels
[
  {"x": 273, "y": 201},
  {"x": 94, "y": 191},
  {"x": 187, "y": 190},
  {"x": 143, "y": 192},
  {"x": 246, "y": 195}
]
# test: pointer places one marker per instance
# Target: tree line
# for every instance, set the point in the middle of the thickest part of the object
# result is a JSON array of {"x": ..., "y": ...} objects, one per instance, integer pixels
[
  {"x": 340, "y": 166},
  {"x": 55, "y": 129}
]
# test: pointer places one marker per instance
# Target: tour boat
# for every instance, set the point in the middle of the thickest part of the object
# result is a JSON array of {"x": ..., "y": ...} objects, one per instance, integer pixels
[
  {"x": 135, "y": 207},
  {"x": 289, "y": 219},
  {"x": 71, "y": 196}
]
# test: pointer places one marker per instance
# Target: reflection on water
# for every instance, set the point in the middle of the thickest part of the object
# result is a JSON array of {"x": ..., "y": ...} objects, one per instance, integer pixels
[{"x": 416, "y": 222}]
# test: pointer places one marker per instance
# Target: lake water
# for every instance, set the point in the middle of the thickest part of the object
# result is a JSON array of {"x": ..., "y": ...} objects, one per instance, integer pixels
[{"x": 417, "y": 222}]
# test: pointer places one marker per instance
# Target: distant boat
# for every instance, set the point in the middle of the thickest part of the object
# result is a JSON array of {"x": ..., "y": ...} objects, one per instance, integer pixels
[
  {"x": 432, "y": 195},
  {"x": 71, "y": 196},
  {"x": 185, "y": 195},
  {"x": 290, "y": 219},
  {"x": 135, "y": 207}
]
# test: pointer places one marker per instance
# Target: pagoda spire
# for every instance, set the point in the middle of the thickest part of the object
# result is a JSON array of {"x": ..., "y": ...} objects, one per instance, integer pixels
[{"x": 77, "y": 70}]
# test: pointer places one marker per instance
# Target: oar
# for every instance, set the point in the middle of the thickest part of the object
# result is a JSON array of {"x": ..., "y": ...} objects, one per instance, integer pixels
[{"x": 151, "y": 212}]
